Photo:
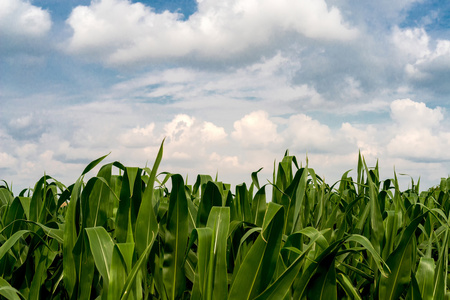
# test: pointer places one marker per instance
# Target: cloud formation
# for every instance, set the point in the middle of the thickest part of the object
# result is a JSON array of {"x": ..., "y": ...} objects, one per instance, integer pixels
[
  {"x": 119, "y": 32},
  {"x": 414, "y": 137},
  {"x": 19, "y": 18},
  {"x": 427, "y": 62},
  {"x": 22, "y": 26},
  {"x": 419, "y": 135}
]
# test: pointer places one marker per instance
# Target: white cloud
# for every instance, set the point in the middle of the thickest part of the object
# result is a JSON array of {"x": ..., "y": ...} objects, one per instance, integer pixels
[
  {"x": 425, "y": 65},
  {"x": 188, "y": 138},
  {"x": 266, "y": 84},
  {"x": 418, "y": 132},
  {"x": 211, "y": 133},
  {"x": 413, "y": 139},
  {"x": 256, "y": 130},
  {"x": 138, "y": 136},
  {"x": 22, "y": 122},
  {"x": 415, "y": 115},
  {"x": 7, "y": 161},
  {"x": 20, "y": 19},
  {"x": 435, "y": 63},
  {"x": 119, "y": 32},
  {"x": 367, "y": 139},
  {"x": 306, "y": 134},
  {"x": 421, "y": 145},
  {"x": 413, "y": 42}
]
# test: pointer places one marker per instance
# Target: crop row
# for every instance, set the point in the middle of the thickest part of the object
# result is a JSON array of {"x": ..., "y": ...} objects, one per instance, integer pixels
[{"x": 128, "y": 236}]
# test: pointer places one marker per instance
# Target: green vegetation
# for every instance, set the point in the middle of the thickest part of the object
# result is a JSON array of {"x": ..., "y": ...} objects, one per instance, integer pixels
[{"x": 128, "y": 236}]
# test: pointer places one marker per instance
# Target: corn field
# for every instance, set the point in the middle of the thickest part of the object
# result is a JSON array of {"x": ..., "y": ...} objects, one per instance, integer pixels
[{"x": 129, "y": 236}]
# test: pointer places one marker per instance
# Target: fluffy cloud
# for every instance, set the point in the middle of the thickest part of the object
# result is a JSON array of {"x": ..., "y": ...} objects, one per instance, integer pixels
[
  {"x": 307, "y": 134},
  {"x": 433, "y": 69},
  {"x": 188, "y": 138},
  {"x": 138, "y": 136},
  {"x": 22, "y": 27},
  {"x": 415, "y": 115},
  {"x": 7, "y": 161},
  {"x": 120, "y": 32},
  {"x": 366, "y": 139},
  {"x": 256, "y": 130},
  {"x": 419, "y": 135},
  {"x": 413, "y": 42},
  {"x": 21, "y": 19},
  {"x": 414, "y": 138},
  {"x": 427, "y": 66}
]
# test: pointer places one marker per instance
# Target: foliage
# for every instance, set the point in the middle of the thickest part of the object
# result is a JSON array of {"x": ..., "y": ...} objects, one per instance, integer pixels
[{"x": 127, "y": 236}]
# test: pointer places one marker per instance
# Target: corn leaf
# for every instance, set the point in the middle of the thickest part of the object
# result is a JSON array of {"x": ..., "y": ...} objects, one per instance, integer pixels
[
  {"x": 176, "y": 234},
  {"x": 400, "y": 263},
  {"x": 258, "y": 267}
]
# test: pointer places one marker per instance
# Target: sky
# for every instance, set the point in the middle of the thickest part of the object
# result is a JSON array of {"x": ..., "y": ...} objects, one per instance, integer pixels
[{"x": 231, "y": 85}]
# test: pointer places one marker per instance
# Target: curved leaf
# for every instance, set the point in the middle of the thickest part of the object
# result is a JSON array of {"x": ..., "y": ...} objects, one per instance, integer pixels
[
  {"x": 258, "y": 267},
  {"x": 400, "y": 263}
]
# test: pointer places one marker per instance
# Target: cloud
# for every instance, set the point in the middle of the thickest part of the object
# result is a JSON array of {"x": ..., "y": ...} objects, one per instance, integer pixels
[
  {"x": 266, "y": 83},
  {"x": 188, "y": 139},
  {"x": 418, "y": 132},
  {"x": 426, "y": 66},
  {"x": 22, "y": 25},
  {"x": 409, "y": 115},
  {"x": 138, "y": 136},
  {"x": 307, "y": 134},
  {"x": 7, "y": 161},
  {"x": 119, "y": 32},
  {"x": 413, "y": 137},
  {"x": 20, "y": 18},
  {"x": 368, "y": 139},
  {"x": 412, "y": 42},
  {"x": 256, "y": 130}
]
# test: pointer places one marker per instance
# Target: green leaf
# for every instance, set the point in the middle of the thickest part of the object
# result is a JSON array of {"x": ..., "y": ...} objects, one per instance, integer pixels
[
  {"x": 382, "y": 266},
  {"x": 101, "y": 246},
  {"x": 86, "y": 271},
  {"x": 282, "y": 285},
  {"x": 425, "y": 277},
  {"x": 124, "y": 212},
  {"x": 376, "y": 219},
  {"x": 400, "y": 262},
  {"x": 255, "y": 178},
  {"x": 323, "y": 283},
  {"x": 346, "y": 284},
  {"x": 441, "y": 272},
  {"x": 211, "y": 197},
  {"x": 44, "y": 257},
  {"x": 37, "y": 199},
  {"x": 176, "y": 235},
  {"x": 93, "y": 164},
  {"x": 317, "y": 277},
  {"x": 414, "y": 290},
  {"x": 204, "y": 256},
  {"x": 218, "y": 221},
  {"x": 146, "y": 223},
  {"x": 15, "y": 212},
  {"x": 7, "y": 291},
  {"x": 11, "y": 241},
  {"x": 118, "y": 274},
  {"x": 258, "y": 267},
  {"x": 259, "y": 205},
  {"x": 72, "y": 221},
  {"x": 135, "y": 270}
]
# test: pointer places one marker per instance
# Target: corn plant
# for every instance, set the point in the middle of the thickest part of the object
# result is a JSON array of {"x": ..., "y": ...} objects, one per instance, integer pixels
[{"x": 123, "y": 234}]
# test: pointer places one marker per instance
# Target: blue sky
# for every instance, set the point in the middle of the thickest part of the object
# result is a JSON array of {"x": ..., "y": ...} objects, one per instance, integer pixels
[{"x": 230, "y": 84}]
